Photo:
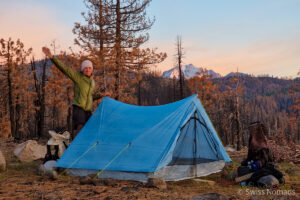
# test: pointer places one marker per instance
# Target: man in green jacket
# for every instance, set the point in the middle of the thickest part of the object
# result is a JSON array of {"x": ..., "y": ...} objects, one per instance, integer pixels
[{"x": 84, "y": 86}]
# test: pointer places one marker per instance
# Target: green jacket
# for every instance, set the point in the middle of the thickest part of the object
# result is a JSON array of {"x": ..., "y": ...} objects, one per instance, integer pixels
[{"x": 83, "y": 86}]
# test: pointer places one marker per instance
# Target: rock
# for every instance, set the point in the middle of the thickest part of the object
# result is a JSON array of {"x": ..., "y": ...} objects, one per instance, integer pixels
[
  {"x": 268, "y": 181},
  {"x": 52, "y": 174},
  {"x": 297, "y": 173},
  {"x": 41, "y": 170},
  {"x": 106, "y": 182},
  {"x": 210, "y": 196},
  {"x": 97, "y": 182},
  {"x": 2, "y": 162},
  {"x": 297, "y": 162},
  {"x": 128, "y": 189},
  {"x": 254, "y": 198},
  {"x": 230, "y": 149},
  {"x": 157, "y": 183},
  {"x": 285, "y": 198},
  {"x": 29, "y": 151},
  {"x": 291, "y": 163},
  {"x": 290, "y": 171},
  {"x": 211, "y": 183},
  {"x": 85, "y": 180},
  {"x": 233, "y": 197},
  {"x": 62, "y": 171},
  {"x": 125, "y": 189}
]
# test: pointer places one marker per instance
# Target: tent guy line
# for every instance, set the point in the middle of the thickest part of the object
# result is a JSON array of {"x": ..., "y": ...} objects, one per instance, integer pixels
[{"x": 125, "y": 148}]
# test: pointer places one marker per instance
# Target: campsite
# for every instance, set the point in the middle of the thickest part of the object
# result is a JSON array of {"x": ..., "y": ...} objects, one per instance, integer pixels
[
  {"x": 21, "y": 182},
  {"x": 150, "y": 99}
]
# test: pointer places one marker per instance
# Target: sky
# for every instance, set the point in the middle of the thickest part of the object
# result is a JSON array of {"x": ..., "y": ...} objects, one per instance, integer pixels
[{"x": 252, "y": 36}]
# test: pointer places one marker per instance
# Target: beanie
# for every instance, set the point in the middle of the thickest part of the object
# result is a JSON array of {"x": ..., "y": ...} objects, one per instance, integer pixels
[{"x": 85, "y": 64}]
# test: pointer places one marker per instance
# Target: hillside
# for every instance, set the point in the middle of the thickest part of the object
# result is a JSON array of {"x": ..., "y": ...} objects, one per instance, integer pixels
[{"x": 253, "y": 87}]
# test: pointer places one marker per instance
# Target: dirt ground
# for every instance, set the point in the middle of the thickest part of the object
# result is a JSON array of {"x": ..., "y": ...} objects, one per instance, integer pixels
[{"x": 19, "y": 181}]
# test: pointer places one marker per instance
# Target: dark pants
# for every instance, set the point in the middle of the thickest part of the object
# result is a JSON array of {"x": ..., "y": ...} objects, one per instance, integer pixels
[{"x": 80, "y": 116}]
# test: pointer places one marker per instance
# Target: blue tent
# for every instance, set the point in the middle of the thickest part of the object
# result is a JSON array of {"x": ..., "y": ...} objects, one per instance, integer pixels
[{"x": 173, "y": 141}]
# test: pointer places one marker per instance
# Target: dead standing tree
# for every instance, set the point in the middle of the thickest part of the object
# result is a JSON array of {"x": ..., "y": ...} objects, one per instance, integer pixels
[
  {"x": 40, "y": 104},
  {"x": 236, "y": 123},
  {"x": 17, "y": 85},
  {"x": 294, "y": 115},
  {"x": 179, "y": 56}
]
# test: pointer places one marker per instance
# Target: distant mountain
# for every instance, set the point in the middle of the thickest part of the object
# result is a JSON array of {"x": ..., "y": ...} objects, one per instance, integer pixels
[
  {"x": 189, "y": 71},
  {"x": 233, "y": 74}
]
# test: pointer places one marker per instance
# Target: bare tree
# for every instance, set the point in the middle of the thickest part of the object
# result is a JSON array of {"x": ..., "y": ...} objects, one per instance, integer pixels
[
  {"x": 236, "y": 121},
  {"x": 237, "y": 116},
  {"x": 14, "y": 55},
  {"x": 40, "y": 104},
  {"x": 179, "y": 56}
]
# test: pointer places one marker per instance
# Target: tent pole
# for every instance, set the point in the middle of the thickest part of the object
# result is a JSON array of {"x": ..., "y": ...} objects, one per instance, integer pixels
[{"x": 195, "y": 145}]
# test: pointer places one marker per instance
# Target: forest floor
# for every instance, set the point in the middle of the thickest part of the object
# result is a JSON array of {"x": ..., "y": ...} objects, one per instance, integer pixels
[{"x": 20, "y": 181}]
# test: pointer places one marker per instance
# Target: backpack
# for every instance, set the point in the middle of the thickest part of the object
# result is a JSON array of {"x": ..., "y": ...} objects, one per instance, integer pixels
[{"x": 57, "y": 144}]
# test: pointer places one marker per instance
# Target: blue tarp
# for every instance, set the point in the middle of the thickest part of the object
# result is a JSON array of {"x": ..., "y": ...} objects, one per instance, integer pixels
[{"x": 131, "y": 138}]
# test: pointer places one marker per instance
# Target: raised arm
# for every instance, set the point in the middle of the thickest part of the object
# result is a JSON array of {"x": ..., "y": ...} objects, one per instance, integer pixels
[{"x": 63, "y": 68}]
